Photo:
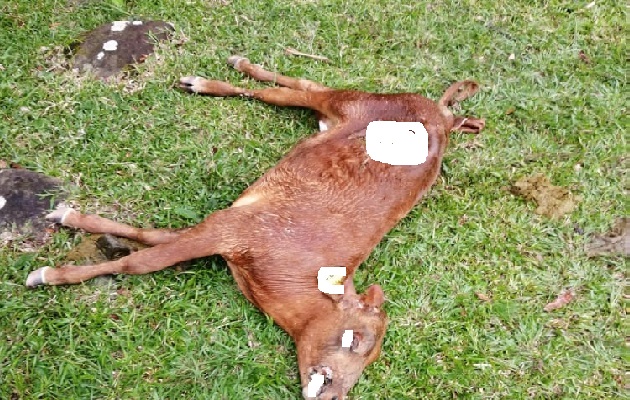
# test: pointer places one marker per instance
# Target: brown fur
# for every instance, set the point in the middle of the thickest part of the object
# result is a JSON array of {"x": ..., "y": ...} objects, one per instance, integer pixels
[{"x": 326, "y": 203}]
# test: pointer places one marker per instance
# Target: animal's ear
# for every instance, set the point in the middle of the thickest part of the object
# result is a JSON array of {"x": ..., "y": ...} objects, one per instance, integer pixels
[
  {"x": 373, "y": 296},
  {"x": 468, "y": 124}
]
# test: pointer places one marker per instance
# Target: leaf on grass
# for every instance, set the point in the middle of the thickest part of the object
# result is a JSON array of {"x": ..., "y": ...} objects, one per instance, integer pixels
[
  {"x": 585, "y": 59},
  {"x": 293, "y": 52},
  {"x": 617, "y": 241},
  {"x": 483, "y": 297},
  {"x": 251, "y": 340},
  {"x": 562, "y": 300}
]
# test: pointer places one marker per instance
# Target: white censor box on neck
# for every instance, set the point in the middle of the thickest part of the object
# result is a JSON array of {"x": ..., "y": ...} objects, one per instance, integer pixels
[
  {"x": 397, "y": 143},
  {"x": 330, "y": 279}
]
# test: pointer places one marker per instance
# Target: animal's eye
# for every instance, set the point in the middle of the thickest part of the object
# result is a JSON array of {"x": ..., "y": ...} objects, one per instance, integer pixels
[
  {"x": 362, "y": 342},
  {"x": 355, "y": 342}
]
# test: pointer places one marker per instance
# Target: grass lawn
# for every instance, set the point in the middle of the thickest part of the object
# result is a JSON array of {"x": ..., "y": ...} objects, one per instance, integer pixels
[{"x": 553, "y": 76}]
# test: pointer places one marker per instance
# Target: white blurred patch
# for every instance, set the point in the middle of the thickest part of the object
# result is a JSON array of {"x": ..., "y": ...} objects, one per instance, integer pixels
[
  {"x": 322, "y": 126},
  {"x": 330, "y": 279},
  {"x": 347, "y": 337},
  {"x": 119, "y": 26},
  {"x": 3, "y": 202},
  {"x": 315, "y": 385},
  {"x": 397, "y": 143},
  {"x": 100, "y": 56},
  {"x": 110, "y": 45},
  {"x": 246, "y": 200},
  {"x": 136, "y": 23}
]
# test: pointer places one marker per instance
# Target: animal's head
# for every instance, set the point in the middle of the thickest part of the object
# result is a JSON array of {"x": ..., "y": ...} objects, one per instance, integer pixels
[{"x": 336, "y": 346}]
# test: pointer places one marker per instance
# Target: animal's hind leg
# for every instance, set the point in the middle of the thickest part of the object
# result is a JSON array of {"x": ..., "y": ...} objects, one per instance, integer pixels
[
  {"x": 202, "y": 240},
  {"x": 95, "y": 224},
  {"x": 141, "y": 262},
  {"x": 296, "y": 93},
  {"x": 260, "y": 74}
]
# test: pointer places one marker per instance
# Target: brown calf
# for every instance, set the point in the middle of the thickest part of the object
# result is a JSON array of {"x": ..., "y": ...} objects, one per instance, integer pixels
[{"x": 326, "y": 203}]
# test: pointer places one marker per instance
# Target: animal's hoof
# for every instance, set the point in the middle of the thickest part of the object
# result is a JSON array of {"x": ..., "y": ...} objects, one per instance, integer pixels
[
  {"x": 190, "y": 83},
  {"x": 36, "y": 278},
  {"x": 234, "y": 61},
  {"x": 59, "y": 215}
]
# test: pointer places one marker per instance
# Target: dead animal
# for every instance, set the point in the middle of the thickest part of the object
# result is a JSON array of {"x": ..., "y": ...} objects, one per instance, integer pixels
[{"x": 325, "y": 204}]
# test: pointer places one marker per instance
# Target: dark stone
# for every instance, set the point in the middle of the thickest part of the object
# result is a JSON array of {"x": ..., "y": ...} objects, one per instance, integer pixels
[
  {"x": 133, "y": 42},
  {"x": 27, "y": 197},
  {"x": 112, "y": 247}
]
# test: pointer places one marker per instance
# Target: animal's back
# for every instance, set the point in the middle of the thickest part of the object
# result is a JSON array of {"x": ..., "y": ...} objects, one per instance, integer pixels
[{"x": 328, "y": 203}]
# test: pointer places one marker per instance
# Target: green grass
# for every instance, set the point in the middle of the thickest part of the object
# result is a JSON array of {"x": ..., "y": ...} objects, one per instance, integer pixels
[{"x": 154, "y": 156}]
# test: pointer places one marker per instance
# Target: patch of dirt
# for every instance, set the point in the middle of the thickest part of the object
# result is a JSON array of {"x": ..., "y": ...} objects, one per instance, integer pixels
[
  {"x": 93, "y": 249},
  {"x": 97, "y": 248},
  {"x": 54, "y": 59},
  {"x": 616, "y": 241},
  {"x": 553, "y": 201}
]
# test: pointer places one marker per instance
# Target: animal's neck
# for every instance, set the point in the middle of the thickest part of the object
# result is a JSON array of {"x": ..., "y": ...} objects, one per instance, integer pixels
[{"x": 292, "y": 313}]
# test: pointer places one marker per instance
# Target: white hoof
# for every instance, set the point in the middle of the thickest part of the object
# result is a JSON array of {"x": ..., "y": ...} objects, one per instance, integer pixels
[
  {"x": 190, "y": 83},
  {"x": 36, "y": 278},
  {"x": 59, "y": 215},
  {"x": 235, "y": 60}
]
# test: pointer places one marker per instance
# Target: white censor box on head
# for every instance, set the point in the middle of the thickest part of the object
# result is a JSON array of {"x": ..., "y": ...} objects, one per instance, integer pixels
[
  {"x": 315, "y": 384},
  {"x": 330, "y": 279},
  {"x": 397, "y": 143}
]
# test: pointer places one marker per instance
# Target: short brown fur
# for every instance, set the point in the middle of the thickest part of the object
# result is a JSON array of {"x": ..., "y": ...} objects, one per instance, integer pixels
[{"x": 326, "y": 203}]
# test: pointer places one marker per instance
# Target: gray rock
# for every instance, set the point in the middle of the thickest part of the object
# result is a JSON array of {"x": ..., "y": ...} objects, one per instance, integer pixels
[
  {"x": 25, "y": 197},
  {"x": 114, "y": 46},
  {"x": 112, "y": 247}
]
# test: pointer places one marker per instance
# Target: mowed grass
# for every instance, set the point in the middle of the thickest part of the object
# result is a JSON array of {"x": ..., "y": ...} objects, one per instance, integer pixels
[{"x": 151, "y": 156}]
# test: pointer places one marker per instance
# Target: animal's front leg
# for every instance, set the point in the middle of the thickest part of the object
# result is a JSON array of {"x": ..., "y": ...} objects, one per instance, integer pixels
[
  {"x": 278, "y": 96},
  {"x": 260, "y": 74}
]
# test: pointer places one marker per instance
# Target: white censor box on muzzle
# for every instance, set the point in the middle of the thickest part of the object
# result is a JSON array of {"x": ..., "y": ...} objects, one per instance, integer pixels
[
  {"x": 315, "y": 384},
  {"x": 330, "y": 279},
  {"x": 397, "y": 143}
]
